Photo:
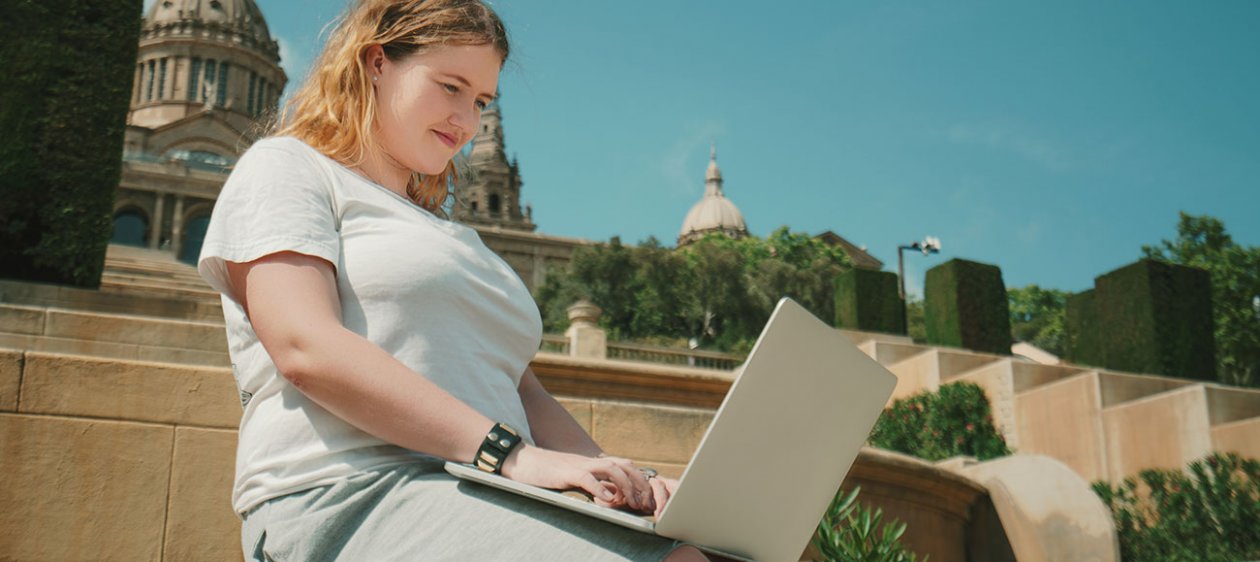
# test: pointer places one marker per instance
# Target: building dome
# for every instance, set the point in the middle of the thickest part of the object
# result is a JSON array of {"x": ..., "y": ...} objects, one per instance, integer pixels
[
  {"x": 241, "y": 17},
  {"x": 205, "y": 56},
  {"x": 714, "y": 212}
]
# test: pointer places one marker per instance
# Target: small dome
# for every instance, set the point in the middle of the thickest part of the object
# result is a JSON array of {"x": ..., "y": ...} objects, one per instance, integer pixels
[
  {"x": 713, "y": 213},
  {"x": 242, "y": 15}
]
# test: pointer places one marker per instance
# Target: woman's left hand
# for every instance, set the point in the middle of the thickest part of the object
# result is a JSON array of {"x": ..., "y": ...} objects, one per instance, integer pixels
[{"x": 654, "y": 491}]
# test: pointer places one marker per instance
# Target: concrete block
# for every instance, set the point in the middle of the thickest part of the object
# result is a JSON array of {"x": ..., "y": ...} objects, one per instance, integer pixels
[
  {"x": 1027, "y": 376},
  {"x": 1242, "y": 437},
  {"x": 136, "y": 330},
  {"x": 130, "y": 390},
  {"x": 1165, "y": 430},
  {"x": 997, "y": 381},
  {"x": 917, "y": 374},
  {"x": 82, "y": 489},
  {"x": 648, "y": 432},
  {"x": 580, "y": 409},
  {"x": 200, "y": 523},
  {"x": 954, "y": 363},
  {"x": 889, "y": 353},
  {"x": 1228, "y": 404},
  {"x": 1118, "y": 388},
  {"x": 16, "y": 319},
  {"x": 1063, "y": 420},
  {"x": 1049, "y": 512},
  {"x": 10, "y": 379}
]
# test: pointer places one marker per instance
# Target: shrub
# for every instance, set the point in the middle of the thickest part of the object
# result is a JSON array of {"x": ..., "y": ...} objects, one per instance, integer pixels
[
  {"x": 64, "y": 93},
  {"x": 867, "y": 300},
  {"x": 1211, "y": 512},
  {"x": 966, "y": 306},
  {"x": 852, "y": 532},
  {"x": 954, "y": 421},
  {"x": 1146, "y": 317}
]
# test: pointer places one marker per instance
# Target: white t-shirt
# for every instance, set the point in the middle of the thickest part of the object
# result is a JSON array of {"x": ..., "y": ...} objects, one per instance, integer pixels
[{"x": 424, "y": 289}]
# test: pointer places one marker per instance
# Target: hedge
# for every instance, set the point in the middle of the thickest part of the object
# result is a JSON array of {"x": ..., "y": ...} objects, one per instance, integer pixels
[
  {"x": 64, "y": 97},
  {"x": 965, "y": 305},
  {"x": 867, "y": 300},
  {"x": 1147, "y": 317},
  {"x": 1082, "y": 343}
]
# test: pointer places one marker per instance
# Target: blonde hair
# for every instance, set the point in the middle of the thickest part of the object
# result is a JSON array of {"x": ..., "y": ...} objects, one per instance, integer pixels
[{"x": 334, "y": 110}]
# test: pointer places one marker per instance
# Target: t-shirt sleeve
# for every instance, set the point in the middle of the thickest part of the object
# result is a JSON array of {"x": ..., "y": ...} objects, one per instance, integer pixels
[{"x": 277, "y": 199}]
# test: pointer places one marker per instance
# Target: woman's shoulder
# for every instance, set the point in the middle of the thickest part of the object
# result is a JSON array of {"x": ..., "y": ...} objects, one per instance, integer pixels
[{"x": 272, "y": 147}]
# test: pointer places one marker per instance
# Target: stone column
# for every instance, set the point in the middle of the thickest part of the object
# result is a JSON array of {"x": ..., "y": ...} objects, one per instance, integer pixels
[
  {"x": 177, "y": 226},
  {"x": 586, "y": 338},
  {"x": 155, "y": 227}
]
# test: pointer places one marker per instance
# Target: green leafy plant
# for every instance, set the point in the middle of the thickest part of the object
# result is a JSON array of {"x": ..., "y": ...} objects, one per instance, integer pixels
[
  {"x": 1210, "y": 512},
  {"x": 955, "y": 420},
  {"x": 853, "y": 532}
]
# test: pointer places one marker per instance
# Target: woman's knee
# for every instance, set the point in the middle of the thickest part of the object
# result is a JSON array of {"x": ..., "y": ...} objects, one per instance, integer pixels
[{"x": 686, "y": 553}]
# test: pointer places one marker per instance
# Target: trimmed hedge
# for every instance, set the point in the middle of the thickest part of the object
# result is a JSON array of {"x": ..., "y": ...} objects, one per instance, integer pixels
[
  {"x": 965, "y": 305},
  {"x": 1148, "y": 317},
  {"x": 1082, "y": 344},
  {"x": 64, "y": 96},
  {"x": 867, "y": 300}
]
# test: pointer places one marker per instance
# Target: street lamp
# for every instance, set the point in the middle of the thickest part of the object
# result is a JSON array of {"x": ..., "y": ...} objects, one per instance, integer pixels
[{"x": 929, "y": 245}]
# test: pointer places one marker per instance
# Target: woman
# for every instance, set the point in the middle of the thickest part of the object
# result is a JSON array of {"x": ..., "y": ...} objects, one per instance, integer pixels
[{"x": 371, "y": 338}]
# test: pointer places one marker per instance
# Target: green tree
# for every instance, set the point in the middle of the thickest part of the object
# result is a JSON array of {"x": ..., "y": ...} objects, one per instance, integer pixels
[
  {"x": 1202, "y": 241},
  {"x": 916, "y": 326},
  {"x": 1037, "y": 316},
  {"x": 718, "y": 290}
]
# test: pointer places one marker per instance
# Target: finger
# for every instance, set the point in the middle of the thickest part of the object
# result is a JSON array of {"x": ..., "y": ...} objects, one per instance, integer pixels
[
  {"x": 660, "y": 495},
  {"x": 619, "y": 499},
  {"x": 671, "y": 485},
  {"x": 594, "y": 487},
  {"x": 642, "y": 489},
  {"x": 613, "y": 472}
]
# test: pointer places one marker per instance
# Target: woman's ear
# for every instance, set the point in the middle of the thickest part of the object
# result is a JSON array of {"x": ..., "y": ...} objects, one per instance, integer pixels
[{"x": 374, "y": 57}]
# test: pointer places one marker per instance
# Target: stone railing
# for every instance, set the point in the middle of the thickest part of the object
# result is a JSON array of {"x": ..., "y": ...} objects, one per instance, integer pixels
[
  {"x": 554, "y": 343},
  {"x": 626, "y": 351}
]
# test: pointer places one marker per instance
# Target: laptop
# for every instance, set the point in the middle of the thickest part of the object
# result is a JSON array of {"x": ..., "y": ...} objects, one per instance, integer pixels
[{"x": 775, "y": 453}]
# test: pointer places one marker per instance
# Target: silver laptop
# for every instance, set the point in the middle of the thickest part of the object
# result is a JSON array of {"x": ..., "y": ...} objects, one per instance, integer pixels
[{"x": 777, "y": 449}]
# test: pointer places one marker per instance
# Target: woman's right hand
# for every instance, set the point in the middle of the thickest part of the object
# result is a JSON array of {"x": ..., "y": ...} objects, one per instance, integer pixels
[{"x": 611, "y": 481}]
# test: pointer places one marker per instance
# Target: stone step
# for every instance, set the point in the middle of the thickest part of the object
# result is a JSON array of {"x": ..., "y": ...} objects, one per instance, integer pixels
[
  {"x": 192, "y": 286},
  {"x": 140, "y": 287},
  {"x": 110, "y": 301},
  {"x": 117, "y": 336},
  {"x": 113, "y": 350}
]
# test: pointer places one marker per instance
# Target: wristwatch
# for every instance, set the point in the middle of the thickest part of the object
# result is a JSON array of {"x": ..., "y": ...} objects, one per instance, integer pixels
[{"x": 496, "y": 447}]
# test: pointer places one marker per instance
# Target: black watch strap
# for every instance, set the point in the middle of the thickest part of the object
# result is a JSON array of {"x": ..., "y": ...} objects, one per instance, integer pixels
[{"x": 496, "y": 447}]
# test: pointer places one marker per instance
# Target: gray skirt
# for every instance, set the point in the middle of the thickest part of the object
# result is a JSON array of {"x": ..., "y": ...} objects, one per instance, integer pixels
[{"x": 417, "y": 511}]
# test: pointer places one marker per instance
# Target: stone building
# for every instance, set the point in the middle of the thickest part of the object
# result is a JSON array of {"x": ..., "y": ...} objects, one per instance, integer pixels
[
  {"x": 207, "y": 73},
  {"x": 490, "y": 195},
  {"x": 714, "y": 213}
]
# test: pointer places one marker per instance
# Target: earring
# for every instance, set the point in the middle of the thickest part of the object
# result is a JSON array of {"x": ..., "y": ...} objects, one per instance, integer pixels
[{"x": 374, "y": 78}]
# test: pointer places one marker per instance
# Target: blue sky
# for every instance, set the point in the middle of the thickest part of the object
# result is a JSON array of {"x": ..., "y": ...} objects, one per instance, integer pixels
[{"x": 1052, "y": 139}]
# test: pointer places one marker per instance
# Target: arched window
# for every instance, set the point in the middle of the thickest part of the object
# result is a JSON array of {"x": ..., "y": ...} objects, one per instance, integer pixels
[
  {"x": 494, "y": 203},
  {"x": 194, "y": 235},
  {"x": 193, "y": 75},
  {"x": 222, "y": 85},
  {"x": 130, "y": 228}
]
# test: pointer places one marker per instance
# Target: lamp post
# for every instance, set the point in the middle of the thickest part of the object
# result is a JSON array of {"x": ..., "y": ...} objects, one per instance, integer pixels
[{"x": 929, "y": 245}]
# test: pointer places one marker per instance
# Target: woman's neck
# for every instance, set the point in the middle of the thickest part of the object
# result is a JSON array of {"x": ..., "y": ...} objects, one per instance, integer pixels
[{"x": 381, "y": 168}]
